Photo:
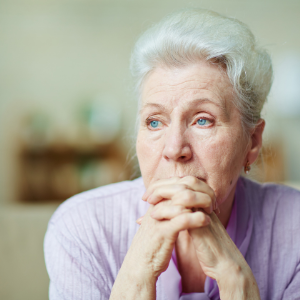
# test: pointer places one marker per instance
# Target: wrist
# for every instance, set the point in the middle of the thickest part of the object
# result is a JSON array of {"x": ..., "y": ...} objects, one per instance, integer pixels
[
  {"x": 133, "y": 282},
  {"x": 138, "y": 273},
  {"x": 238, "y": 283}
]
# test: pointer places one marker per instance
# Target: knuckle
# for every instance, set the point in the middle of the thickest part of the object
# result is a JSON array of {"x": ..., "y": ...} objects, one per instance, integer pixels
[
  {"x": 185, "y": 220},
  {"x": 158, "y": 190},
  {"x": 161, "y": 205},
  {"x": 189, "y": 193},
  {"x": 201, "y": 218},
  {"x": 188, "y": 197},
  {"x": 211, "y": 193},
  {"x": 178, "y": 209},
  {"x": 154, "y": 186},
  {"x": 182, "y": 209},
  {"x": 154, "y": 194},
  {"x": 207, "y": 200},
  {"x": 191, "y": 179},
  {"x": 183, "y": 187}
]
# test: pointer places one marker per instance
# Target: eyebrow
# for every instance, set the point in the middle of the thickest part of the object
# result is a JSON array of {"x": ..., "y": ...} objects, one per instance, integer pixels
[
  {"x": 157, "y": 105},
  {"x": 201, "y": 100},
  {"x": 191, "y": 103}
]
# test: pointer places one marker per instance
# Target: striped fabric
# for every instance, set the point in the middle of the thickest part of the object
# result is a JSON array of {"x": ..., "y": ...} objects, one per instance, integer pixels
[{"x": 89, "y": 235}]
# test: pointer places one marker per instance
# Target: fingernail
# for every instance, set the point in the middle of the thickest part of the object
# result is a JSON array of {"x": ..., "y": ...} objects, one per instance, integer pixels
[
  {"x": 218, "y": 211},
  {"x": 207, "y": 219},
  {"x": 144, "y": 198},
  {"x": 216, "y": 204},
  {"x": 139, "y": 220}
]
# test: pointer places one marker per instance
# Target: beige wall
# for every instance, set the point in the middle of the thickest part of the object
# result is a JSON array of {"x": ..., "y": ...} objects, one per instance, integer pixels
[
  {"x": 55, "y": 53},
  {"x": 23, "y": 273}
]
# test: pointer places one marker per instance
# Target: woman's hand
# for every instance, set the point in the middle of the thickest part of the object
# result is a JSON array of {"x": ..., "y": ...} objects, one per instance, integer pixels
[
  {"x": 187, "y": 194},
  {"x": 177, "y": 204},
  {"x": 221, "y": 260},
  {"x": 218, "y": 256},
  {"x": 150, "y": 252}
]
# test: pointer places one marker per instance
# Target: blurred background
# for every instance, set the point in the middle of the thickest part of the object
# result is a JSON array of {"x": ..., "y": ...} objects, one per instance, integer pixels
[{"x": 67, "y": 111}]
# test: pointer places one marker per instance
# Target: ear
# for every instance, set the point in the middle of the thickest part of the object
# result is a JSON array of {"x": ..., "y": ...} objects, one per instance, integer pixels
[{"x": 255, "y": 142}]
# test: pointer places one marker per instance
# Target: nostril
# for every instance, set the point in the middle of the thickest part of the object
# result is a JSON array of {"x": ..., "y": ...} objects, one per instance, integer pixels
[{"x": 177, "y": 151}]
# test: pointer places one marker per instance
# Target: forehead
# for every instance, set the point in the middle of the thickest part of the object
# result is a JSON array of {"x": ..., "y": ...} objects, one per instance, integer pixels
[{"x": 176, "y": 86}]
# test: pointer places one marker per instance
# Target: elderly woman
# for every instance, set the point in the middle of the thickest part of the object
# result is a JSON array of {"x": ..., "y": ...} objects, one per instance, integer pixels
[{"x": 204, "y": 232}]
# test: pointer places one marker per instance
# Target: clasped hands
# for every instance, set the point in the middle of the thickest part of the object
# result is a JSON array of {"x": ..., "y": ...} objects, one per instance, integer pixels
[
  {"x": 176, "y": 205},
  {"x": 179, "y": 204}
]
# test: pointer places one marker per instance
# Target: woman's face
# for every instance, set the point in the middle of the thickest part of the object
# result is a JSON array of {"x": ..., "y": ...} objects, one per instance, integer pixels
[{"x": 190, "y": 126}]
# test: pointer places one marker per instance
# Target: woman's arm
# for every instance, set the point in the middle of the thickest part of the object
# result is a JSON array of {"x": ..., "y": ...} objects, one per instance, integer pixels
[
  {"x": 238, "y": 284},
  {"x": 221, "y": 259},
  {"x": 132, "y": 283},
  {"x": 217, "y": 254},
  {"x": 135, "y": 279},
  {"x": 150, "y": 253}
]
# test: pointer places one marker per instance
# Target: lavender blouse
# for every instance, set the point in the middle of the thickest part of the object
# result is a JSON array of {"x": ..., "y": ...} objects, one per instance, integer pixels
[{"x": 89, "y": 235}]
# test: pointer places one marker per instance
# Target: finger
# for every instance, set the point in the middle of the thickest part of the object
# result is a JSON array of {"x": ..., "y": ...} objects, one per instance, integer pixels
[
  {"x": 187, "y": 221},
  {"x": 217, "y": 209},
  {"x": 139, "y": 220},
  {"x": 167, "y": 212},
  {"x": 157, "y": 184},
  {"x": 163, "y": 189},
  {"x": 198, "y": 185},
  {"x": 165, "y": 192},
  {"x": 189, "y": 199}
]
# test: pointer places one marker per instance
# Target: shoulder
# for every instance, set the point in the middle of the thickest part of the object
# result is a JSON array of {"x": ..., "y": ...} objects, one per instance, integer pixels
[
  {"x": 89, "y": 235},
  {"x": 273, "y": 203},
  {"x": 275, "y": 210},
  {"x": 102, "y": 200},
  {"x": 271, "y": 196},
  {"x": 274, "y": 250},
  {"x": 101, "y": 216}
]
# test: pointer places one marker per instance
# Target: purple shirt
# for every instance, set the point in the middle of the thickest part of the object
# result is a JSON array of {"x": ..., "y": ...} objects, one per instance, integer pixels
[{"x": 89, "y": 235}]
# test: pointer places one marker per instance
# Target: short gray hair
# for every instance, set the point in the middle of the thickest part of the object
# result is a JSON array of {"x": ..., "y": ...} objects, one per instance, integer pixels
[{"x": 192, "y": 35}]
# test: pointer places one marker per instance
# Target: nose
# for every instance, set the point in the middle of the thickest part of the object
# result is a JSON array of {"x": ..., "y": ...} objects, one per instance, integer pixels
[{"x": 177, "y": 147}]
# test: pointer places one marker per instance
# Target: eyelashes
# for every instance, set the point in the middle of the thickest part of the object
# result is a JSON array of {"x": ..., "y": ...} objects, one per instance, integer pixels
[
  {"x": 154, "y": 123},
  {"x": 204, "y": 122}
]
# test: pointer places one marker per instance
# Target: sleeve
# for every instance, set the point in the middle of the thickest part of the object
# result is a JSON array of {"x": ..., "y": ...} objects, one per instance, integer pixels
[
  {"x": 74, "y": 272},
  {"x": 292, "y": 291}
]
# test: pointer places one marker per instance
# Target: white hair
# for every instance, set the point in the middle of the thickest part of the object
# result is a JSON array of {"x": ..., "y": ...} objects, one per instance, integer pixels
[{"x": 191, "y": 35}]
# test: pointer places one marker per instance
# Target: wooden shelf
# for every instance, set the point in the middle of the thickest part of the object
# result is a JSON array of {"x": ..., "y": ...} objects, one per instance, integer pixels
[{"x": 57, "y": 172}]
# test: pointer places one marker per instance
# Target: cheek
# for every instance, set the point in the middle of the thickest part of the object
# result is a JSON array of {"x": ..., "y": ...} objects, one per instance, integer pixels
[
  {"x": 214, "y": 151},
  {"x": 145, "y": 149},
  {"x": 222, "y": 157},
  {"x": 224, "y": 151},
  {"x": 140, "y": 150},
  {"x": 148, "y": 154}
]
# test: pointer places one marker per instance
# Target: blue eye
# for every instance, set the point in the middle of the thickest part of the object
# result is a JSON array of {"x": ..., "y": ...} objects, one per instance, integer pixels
[
  {"x": 154, "y": 124},
  {"x": 202, "y": 122}
]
